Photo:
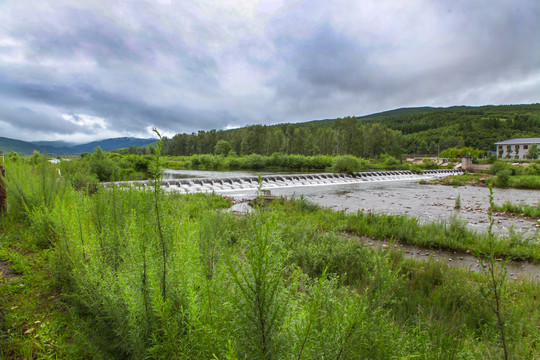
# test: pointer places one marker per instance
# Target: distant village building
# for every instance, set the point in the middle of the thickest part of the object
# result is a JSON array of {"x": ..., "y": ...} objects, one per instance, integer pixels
[{"x": 515, "y": 148}]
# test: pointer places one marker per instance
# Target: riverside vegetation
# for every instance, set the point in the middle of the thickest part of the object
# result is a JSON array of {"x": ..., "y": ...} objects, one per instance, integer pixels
[
  {"x": 140, "y": 273},
  {"x": 88, "y": 170}
]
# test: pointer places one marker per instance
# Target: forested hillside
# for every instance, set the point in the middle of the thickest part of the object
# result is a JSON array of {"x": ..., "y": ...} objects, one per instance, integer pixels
[
  {"x": 23, "y": 147},
  {"x": 402, "y": 131},
  {"x": 63, "y": 148}
]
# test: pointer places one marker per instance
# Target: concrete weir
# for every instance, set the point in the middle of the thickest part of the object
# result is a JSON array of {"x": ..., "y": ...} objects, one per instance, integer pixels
[{"x": 194, "y": 185}]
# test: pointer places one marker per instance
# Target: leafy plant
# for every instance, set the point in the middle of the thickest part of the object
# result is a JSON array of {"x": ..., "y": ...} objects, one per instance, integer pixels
[
  {"x": 457, "y": 204},
  {"x": 496, "y": 281}
]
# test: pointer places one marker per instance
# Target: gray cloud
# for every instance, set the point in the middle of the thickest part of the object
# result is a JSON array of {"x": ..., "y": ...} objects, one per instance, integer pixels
[
  {"x": 462, "y": 48},
  {"x": 77, "y": 69},
  {"x": 25, "y": 119}
]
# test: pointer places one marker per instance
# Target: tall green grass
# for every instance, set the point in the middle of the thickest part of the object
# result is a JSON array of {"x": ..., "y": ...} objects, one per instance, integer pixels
[
  {"x": 519, "y": 209},
  {"x": 279, "y": 283},
  {"x": 451, "y": 234}
]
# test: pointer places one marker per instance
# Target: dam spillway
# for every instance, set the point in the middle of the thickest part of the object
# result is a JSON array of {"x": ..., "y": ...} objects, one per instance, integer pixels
[{"x": 232, "y": 183}]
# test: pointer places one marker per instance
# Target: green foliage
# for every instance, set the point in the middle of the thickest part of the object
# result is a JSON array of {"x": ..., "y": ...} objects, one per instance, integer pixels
[
  {"x": 150, "y": 274},
  {"x": 102, "y": 166},
  {"x": 416, "y": 130},
  {"x": 533, "y": 152},
  {"x": 429, "y": 163},
  {"x": 345, "y": 136},
  {"x": 349, "y": 163},
  {"x": 495, "y": 283},
  {"x": 498, "y": 166},
  {"x": 519, "y": 209},
  {"x": 222, "y": 147},
  {"x": 31, "y": 188},
  {"x": 389, "y": 160},
  {"x": 452, "y": 153},
  {"x": 457, "y": 204},
  {"x": 503, "y": 178},
  {"x": 13, "y": 156},
  {"x": 302, "y": 204}
]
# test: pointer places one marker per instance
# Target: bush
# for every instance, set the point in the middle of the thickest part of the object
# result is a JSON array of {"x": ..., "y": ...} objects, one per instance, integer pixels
[
  {"x": 29, "y": 188},
  {"x": 254, "y": 161},
  {"x": 429, "y": 164},
  {"x": 532, "y": 169},
  {"x": 492, "y": 159},
  {"x": 296, "y": 162},
  {"x": 195, "y": 161},
  {"x": 498, "y": 166},
  {"x": 321, "y": 162},
  {"x": 503, "y": 178},
  {"x": 233, "y": 162},
  {"x": 276, "y": 160},
  {"x": 389, "y": 160},
  {"x": 348, "y": 163}
]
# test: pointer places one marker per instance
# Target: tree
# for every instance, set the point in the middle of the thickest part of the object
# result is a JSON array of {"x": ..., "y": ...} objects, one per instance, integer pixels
[
  {"x": 533, "y": 152},
  {"x": 101, "y": 166},
  {"x": 222, "y": 147}
]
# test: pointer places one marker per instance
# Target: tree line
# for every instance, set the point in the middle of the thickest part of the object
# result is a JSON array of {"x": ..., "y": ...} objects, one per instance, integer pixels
[
  {"x": 346, "y": 136},
  {"x": 401, "y": 131}
]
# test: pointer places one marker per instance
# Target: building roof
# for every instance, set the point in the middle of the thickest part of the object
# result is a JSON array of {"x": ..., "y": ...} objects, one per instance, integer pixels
[{"x": 519, "y": 141}]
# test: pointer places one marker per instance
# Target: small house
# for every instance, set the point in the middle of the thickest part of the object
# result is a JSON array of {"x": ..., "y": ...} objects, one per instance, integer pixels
[{"x": 516, "y": 148}]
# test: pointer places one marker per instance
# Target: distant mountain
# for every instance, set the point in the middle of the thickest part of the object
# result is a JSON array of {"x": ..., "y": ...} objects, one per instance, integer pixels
[
  {"x": 53, "y": 144},
  {"x": 21, "y": 147},
  {"x": 63, "y": 148},
  {"x": 110, "y": 144}
]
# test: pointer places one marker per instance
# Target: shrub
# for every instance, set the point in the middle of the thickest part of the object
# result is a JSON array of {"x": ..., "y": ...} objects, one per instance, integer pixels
[
  {"x": 429, "y": 164},
  {"x": 29, "y": 188},
  {"x": 503, "y": 178},
  {"x": 254, "y": 161},
  {"x": 532, "y": 169},
  {"x": 195, "y": 161},
  {"x": 233, "y": 162},
  {"x": 296, "y": 162},
  {"x": 321, "y": 162},
  {"x": 389, "y": 160},
  {"x": 498, "y": 166},
  {"x": 348, "y": 163},
  {"x": 276, "y": 160}
]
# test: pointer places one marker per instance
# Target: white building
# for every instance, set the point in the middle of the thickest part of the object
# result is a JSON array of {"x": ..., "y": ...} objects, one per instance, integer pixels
[{"x": 515, "y": 148}]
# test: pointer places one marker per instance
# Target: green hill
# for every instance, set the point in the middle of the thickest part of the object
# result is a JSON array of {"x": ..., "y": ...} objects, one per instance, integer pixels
[
  {"x": 27, "y": 148},
  {"x": 380, "y": 115},
  {"x": 21, "y": 147},
  {"x": 424, "y": 130}
]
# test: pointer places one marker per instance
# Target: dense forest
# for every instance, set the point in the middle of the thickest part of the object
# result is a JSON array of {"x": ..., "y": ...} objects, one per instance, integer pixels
[{"x": 403, "y": 131}]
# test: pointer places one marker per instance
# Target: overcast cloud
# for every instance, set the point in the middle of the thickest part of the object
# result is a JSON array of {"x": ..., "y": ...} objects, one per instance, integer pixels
[{"x": 80, "y": 70}]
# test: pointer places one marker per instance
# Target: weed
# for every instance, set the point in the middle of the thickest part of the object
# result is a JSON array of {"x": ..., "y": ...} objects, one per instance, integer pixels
[
  {"x": 457, "y": 204},
  {"x": 496, "y": 279}
]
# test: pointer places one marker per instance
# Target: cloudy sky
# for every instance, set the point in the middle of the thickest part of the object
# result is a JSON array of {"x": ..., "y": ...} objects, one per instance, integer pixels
[{"x": 81, "y": 70}]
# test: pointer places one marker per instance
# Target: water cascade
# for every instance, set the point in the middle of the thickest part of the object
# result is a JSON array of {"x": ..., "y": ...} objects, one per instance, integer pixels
[{"x": 276, "y": 181}]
